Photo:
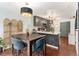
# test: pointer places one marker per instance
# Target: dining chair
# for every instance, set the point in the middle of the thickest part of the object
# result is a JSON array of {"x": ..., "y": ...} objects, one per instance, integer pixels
[
  {"x": 17, "y": 45},
  {"x": 39, "y": 46}
]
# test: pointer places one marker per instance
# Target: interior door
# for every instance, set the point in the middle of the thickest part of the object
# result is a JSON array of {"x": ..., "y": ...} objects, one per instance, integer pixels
[{"x": 64, "y": 29}]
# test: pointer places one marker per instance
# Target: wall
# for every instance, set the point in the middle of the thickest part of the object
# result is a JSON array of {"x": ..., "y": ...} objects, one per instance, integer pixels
[
  {"x": 59, "y": 20},
  {"x": 1, "y": 28},
  {"x": 27, "y": 24},
  {"x": 57, "y": 25}
]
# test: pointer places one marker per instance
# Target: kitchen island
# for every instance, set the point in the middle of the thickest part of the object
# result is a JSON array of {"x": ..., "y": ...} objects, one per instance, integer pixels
[{"x": 52, "y": 38}]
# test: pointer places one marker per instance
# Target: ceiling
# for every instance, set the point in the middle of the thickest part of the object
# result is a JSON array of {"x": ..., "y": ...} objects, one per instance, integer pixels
[{"x": 61, "y": 9}]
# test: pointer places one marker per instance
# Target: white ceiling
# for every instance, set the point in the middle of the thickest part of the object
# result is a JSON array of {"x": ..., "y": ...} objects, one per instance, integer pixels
[{"x": 62, "y": 9}]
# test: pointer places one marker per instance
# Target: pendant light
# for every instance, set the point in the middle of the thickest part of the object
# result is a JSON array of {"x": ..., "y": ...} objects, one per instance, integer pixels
[{"x": 26, "y": 11}]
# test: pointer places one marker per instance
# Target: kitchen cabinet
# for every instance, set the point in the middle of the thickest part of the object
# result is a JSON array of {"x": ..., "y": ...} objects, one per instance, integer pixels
[{"x": 51, "y": 38}]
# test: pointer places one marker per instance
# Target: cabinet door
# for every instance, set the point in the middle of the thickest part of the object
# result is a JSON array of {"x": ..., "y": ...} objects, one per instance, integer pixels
[{"x": 53, "y": 40}]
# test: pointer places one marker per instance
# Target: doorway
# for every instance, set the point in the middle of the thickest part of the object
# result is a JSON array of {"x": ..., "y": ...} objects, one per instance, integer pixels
[{"x": 64, "y": 29}]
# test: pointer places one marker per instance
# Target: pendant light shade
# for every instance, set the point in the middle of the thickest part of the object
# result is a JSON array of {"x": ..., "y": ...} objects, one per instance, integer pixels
[{"x": 26, "y": 11}]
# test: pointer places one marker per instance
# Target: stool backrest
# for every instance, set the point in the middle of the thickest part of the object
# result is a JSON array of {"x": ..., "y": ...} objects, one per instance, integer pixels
[
  {"x": 40, "y": 43},
  {"x": 17, "y": 44}
]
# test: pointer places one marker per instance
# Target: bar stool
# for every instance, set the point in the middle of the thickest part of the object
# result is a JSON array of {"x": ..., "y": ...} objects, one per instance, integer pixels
[
  {"x": 17, "y": 45},
  {"x": 39, "y": 46}
]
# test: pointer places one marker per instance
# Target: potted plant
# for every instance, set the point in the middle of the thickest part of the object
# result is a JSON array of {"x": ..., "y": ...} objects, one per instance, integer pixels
[{"x": 2, "y": 44}]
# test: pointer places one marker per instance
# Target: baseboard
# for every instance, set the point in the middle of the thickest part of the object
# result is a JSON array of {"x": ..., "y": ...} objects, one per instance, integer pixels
[
  {"x": 72, "y": 44},
  {"x": 52, "y": 46}
]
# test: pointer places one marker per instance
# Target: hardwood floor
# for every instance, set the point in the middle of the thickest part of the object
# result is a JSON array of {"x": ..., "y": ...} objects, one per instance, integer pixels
[{"x": 64, "y": 50}]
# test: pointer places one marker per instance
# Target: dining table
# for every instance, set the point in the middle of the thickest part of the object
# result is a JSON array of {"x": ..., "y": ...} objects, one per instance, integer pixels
[{"x": 29, "y": 40}]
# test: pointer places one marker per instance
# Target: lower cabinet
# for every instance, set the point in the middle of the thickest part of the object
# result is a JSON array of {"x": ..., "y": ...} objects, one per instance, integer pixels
[{"x": 52, "y": 40}]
